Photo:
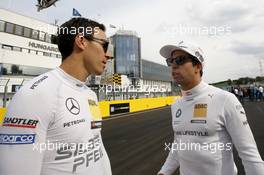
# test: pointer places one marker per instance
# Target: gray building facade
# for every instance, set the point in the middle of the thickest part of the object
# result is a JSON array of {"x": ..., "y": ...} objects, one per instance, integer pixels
[{"x": 127, "y": 53}]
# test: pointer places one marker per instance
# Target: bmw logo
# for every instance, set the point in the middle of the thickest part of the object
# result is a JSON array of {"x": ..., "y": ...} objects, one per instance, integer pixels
[{"x": 178, "y": 113}]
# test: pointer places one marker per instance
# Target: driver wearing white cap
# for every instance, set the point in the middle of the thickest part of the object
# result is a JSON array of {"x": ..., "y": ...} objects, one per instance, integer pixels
[{"x": 207, "y": 122}]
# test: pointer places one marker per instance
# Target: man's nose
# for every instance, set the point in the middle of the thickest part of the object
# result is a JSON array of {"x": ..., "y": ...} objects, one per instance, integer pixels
[
  {"x": 175, "y": 66},
  {"x": 107, "y": 57}
]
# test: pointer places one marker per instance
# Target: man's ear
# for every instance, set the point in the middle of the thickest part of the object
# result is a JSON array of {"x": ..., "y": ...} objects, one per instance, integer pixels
[
  {"x": 198, "y": 68},
  {"x": 80, "y": 42}
]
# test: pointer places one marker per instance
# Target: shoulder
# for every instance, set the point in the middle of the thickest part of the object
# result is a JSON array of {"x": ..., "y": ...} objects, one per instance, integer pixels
[
  {"x": 42, "y": 82},
  {"x": 226, "y": 100},
  {"x": 92, "y": 95},
  {"x": 220, "y": 93},
  {"x": 176, "y": 104},
  {"x": 36, "y": 99},
  {"x": 40, "y": 89}
]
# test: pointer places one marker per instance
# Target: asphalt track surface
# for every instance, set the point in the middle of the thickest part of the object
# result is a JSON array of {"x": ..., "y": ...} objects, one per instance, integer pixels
[{"x": 135, "y": 142}]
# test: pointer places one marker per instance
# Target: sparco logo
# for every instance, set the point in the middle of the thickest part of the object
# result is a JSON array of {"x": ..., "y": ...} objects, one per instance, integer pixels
[
  {"x": 73, "y": 106},
  {"x": 11, "y": 139}
]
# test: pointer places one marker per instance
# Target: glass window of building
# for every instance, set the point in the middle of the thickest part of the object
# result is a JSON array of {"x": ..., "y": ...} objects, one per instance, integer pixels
[
  {"x": 42, "y": 36},
  {"x": 127, "y": 55},
  {"x": 27, "y": 32},
  {"x": 19, "y": 30},
  {"x": 33, "y": 51},
  {"x": 2, "y": 26},
  {"x": 48, "y": 38},
  {"x": 25, "y": 50},
  {"x": 40, "y": 53},
  {"x": 47, "y": 54},
  {"x": 9, "y": 27},
  {"x": 53, "y": 55},
  {"x": 7, "y": 47},
  {"x": 35, "y": 34},
  {"x": 18, "y": 49},
  {"x": 23, "y": 70}
]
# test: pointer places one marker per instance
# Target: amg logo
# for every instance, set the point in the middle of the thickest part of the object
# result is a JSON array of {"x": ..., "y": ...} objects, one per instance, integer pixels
[{"x": 92, "y": 102}]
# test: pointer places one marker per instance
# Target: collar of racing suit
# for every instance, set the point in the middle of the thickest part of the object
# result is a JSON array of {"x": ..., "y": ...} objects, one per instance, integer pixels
[
  {"x": 71, "y": 80},
  {"x": 194, "y": 91}
]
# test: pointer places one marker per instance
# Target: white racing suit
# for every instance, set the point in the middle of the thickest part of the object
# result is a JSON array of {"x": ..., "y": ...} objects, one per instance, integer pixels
[
  {"x": 207, "y": 121},
  {"x": 53, "y": 127}
]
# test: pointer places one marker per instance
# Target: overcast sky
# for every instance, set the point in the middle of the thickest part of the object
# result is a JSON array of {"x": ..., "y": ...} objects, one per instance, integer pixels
[{"x": 229, "y": 32}]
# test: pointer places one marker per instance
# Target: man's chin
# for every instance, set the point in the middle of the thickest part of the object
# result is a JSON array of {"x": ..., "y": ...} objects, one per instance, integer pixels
[{"x": 99, "y": 72}]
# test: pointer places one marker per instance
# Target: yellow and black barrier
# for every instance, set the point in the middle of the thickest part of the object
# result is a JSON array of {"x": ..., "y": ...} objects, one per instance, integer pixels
[
  {"x": 108, "y": 108},
  {"x": 119, "y": 106}
]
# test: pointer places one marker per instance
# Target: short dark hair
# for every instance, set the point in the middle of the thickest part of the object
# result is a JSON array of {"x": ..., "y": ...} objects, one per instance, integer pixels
[
  {"x": 196, "y": 62},
  {"x": 65, "y": 40}
]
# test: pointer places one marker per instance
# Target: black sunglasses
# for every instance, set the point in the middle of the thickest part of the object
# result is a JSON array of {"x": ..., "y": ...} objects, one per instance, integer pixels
[
  {"x": 103, "y": 42},
  {"x": 179, "y": 60}
]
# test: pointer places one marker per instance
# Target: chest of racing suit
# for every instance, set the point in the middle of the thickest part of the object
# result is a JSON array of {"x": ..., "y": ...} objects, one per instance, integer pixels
[
  {"x": 207, "y": 122},
  {"x": 53, "y": 126}
]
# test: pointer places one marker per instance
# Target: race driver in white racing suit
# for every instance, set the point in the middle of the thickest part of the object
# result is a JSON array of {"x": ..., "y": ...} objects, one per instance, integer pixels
[
  {"x": 207, "y": 122},
  {"x": 53, "y": 123}
]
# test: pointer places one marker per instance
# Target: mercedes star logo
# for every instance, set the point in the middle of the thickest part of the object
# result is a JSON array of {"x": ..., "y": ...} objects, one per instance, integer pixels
[{"x": 73, "y": 106}]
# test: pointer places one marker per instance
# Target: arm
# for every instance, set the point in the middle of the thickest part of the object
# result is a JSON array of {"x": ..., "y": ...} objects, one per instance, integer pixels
[
  {"x": 96, "y": 114},
  {"x": 25, "y": 125},
  {"x": 171, "y": 163},
  {"x": 242, "y": 137},
  {"x": 106, "y": 162}
]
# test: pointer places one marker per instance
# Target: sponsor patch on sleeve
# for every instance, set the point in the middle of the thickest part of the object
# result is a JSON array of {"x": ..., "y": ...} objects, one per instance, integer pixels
[
  {"x": 95, "y": 110},
  {"x": 96, "y": 124},
  {"x": 13, "y": 139},
  {"x": 20, "y": 122}
]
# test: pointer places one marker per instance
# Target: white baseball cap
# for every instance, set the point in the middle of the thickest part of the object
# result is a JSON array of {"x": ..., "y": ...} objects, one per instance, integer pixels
[{"x": 191, "y": 49}]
